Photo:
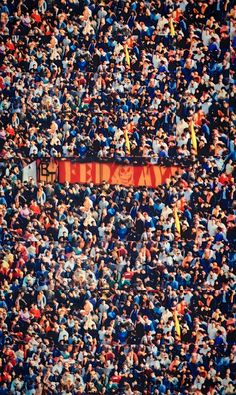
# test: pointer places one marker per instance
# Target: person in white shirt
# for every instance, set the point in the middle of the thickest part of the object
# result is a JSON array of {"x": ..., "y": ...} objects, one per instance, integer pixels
[
  {"x": 166, "y": 211},
  {"x": 70, "y": 264},
  {"x": 211, "y": 278},
  {"x": 212, "y": 227},
  {"x": 63, "y": 231},
  {"x": 181, "y": 126},
  {"x": 33, "y": 149},
  {"x": 206, "y": 37},
  {"x": 211, "y": 330}
]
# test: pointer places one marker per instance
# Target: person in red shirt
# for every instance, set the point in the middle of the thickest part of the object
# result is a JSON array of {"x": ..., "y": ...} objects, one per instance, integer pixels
[
  {"x": 9, "y": 44},
  {"x": 128, "y": 274},
  {"x": 10, "y": 130},
  {"x": 35, "y": 208},
  {"x": 116, "y": 378},
  {"x": 36, "y": 16},
  {"x": 35, "y": 311}
]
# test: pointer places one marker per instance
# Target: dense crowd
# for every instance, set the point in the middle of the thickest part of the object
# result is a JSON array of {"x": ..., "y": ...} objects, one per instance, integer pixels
[
  {"x": 102, "y": 290},
  {"x": 92, "y": 277},
  {"x": 68, "y": 88}
]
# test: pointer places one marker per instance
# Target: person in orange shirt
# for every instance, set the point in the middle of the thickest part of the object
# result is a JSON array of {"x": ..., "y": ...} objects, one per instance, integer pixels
[
  {"x": 181, "y": 307},
  {"x": 181, "y": 203}
]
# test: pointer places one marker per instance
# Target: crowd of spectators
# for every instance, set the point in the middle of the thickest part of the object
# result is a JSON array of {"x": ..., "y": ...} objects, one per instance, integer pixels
[
  {"x": 99, "y": 291},
  {"x": 92, "y": 277},
  {"x": 67, "y": 89}
]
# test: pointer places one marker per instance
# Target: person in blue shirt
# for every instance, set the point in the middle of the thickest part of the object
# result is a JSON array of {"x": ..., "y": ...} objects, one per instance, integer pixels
[
  {"x": 2, "y": 199},
  {"x": 122, "y": 335},
  {"x": 122, "y": 231},
  {"x": 214, "y": 46}
]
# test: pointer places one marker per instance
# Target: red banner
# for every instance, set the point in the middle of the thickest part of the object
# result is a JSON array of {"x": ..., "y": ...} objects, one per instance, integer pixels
[{"x": 127, "y": 175}]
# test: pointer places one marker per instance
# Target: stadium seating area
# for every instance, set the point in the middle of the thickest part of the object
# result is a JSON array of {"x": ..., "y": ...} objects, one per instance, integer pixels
[{"x": 113, "y": 289}]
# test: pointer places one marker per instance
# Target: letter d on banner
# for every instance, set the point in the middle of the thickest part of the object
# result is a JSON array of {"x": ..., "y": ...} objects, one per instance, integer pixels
[{"x": 105, "y": 172}]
